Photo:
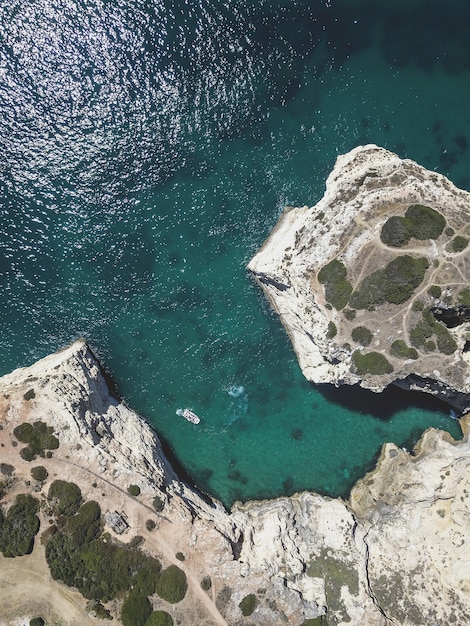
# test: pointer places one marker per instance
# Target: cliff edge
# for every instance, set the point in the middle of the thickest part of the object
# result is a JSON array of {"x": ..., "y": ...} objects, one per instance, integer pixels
[
  {"x": 372, "y": 283},
  {"x": 394, "y": 554}
]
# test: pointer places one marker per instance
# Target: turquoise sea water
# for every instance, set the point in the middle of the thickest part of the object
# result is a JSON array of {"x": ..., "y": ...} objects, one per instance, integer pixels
[{"x": 147, "y": 150}]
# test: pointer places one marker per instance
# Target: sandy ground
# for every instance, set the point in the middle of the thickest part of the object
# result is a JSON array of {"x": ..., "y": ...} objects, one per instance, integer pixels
[{"x": 26, "y": 587}]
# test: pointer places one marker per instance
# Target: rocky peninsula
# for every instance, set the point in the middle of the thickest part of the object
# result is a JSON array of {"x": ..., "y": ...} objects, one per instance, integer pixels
[{"x": 372, "y": 283}]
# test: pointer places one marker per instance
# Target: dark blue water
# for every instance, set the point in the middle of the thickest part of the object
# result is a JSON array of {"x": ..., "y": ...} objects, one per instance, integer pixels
[{"x": 147, "y": 149}]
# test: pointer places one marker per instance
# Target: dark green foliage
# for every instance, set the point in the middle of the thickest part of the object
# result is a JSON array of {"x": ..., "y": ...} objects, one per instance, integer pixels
[
  {"x": 39, "y": 473},
  {"x": 6, "y": 469},
  {"x": 29, "y": 395},
  {"x": 98, "y": 609},
  {"x": 133, "y": 490},
  {"x": 316, "y": 621},
  {"x": 464, "y": 296},
  {"x": 349, "y": 314},
  {"x": 428, "y": 327},
  {"x": 39, "y": 437},
  {"x": 337, "y": 287},
  {"x": 395, "y": 283},
  {"x": 180, "y": 556},
  {"x": 150, "y": 524},
  {"x": 19, "y": 527},
  {"x": 418, "y": 305},
  {"x": 420, "y": 222},
  {"x": 37, "y": 621},
  {"x": 426, "y": 222},
  {"x": 206, "y": 583},
  {"x": 458, "y": 244},
  {"x": 396, "y": 232},
  {"x": 67, "y": 497},
  {"x": 136, "y": 541},
  {"x": 371, "y": 363},
  {"x": 136, "y": 609},
  {"x": 332, "y": 330},
  {"x": 434, "y": 291},
  {"x": 402, "y": 351},
  {"x": 248, "y": 604},
  {"x": 158, "y": 504},
  {"x": 172, "y": 585},
  {"x": 159, "y": 618},
  {"x": 361, "y": 335},
  {"x": 77, "y": 555}
]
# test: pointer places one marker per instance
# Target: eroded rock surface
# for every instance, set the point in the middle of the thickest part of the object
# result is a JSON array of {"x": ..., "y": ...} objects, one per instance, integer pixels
[
  {"x": 372, "y": 283},
  {"x": 396, "y": 553}
]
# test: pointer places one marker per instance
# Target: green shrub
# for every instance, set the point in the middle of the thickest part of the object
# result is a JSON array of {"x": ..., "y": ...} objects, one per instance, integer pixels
[
  {"x": 427, "y": 327},
  {"x": 418, "y": 305},
  {"x": 395, "y": 283},
  {"x": 248, "y": 604},
  {"x": 159, "y": 618},
  {"x": 457, "y": 244},
  {"x": 150, "y": 524},
  {"x": 371, "y": 363},
  {"x": 171, "y": 585},
  {"x": 39, "y": 473},
  {"x": 133, "y": 490},
  {"x": 445, "y": 342},
  {"x": 435, "y": 291},
  {"x": 158, "y": 504},
  {"x": 420, "y": 222},
  {"x": 332, "y": 330},
  {"x": 206, "y": 583},
  {"x": 39, "y": 437},
  {"x": 136, "y": 541},
  {"x": 349, "y": 314},
  {"x": 66, "y": 497},
  {"x": 180, "y": 556},
  {"x": 464, "y": 296},
  {"x": 98, "y": 609},
  {"x": 37, "y": 621},
  {"x": 396, "y": 232},
  {"x": 20, "y": 526},
  {"x": 361, "y": 335},
  {"x": 337, "y": 287},
  {"x": 426, "y": 223},
  {"x": 402, "y": 351},
  {"x": 29, "y": 395},
  {"x": 136, "y": 610}
]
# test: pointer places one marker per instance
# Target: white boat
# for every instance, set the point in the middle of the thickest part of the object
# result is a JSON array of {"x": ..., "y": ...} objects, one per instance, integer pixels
[{"x": 188, "y": 415}]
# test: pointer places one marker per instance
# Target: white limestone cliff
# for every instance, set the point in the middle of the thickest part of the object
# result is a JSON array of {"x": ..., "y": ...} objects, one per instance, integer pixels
[{"x": 394, "y": 554}]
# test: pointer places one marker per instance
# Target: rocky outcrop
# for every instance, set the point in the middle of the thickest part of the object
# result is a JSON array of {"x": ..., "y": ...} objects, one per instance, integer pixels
[
  {"x": 394, "y": 554},
  {"x": 372, "y": 283}
]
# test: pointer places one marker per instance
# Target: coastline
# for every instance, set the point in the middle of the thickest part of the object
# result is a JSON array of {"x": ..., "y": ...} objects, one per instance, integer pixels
[{"x": 301, "y": 557}]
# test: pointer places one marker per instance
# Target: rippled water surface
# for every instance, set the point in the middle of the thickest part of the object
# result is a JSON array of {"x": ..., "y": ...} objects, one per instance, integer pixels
[{"x": 148, "y": 148}]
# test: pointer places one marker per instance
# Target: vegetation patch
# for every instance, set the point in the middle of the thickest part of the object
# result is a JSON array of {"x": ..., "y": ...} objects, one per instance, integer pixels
[
  {"x": 172, "y": 585},
  {"x": 402, "y": 351},
  {"x": 78, "y": 555},
  {"x": 248, "y": 604},
  {"x": 395, "y": 283},
  {"x": 420, "y": 222},
  {"x": 332, "y": 330},
  {"x": 159, "y": 618},
  {"x": 435, "y": 291},
  {"x": 336, "y": 574},
  {"x": 371, "y": 363},
  {"x": 458, "y": 244},
  {"x": 65, "y": 497},
  {"x": 136, "y": 609},
  {"x": 427, "y": 327},
  {"x": 361, "y": 335},
  {"x": 333, "y": 276},
  {"x": 39, "y": 473},
  {"x": 20, "y": 526},
  {"x": 464, "y": 296},
  {"x": 133, "y": 490},
  {"x": 39, "y": 437}
]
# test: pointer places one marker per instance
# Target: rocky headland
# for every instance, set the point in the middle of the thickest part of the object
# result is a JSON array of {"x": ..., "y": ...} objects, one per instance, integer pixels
[
  {"x": 395, "y": 553},
  {"x": 372, "y": 283}
]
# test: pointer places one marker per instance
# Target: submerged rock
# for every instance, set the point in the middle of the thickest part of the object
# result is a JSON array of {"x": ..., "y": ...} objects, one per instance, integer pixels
[{"x": 372, "y": 283}]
